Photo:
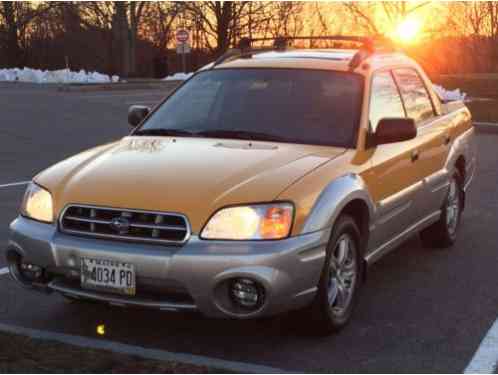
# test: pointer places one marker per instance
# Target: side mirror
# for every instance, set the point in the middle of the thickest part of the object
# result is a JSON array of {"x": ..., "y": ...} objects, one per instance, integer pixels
[
  {"x": 136, "y": 114},
  {"x": 391, "y": 130}
]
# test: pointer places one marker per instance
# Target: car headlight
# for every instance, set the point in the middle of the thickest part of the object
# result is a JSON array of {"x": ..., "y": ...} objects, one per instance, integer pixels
[
  {"x": 37, "y": 204},
  {"x": 253, "y": 222}
]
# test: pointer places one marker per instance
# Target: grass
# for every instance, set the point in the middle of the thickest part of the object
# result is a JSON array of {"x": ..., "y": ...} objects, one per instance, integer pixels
[{"x": 21, "y": 354}]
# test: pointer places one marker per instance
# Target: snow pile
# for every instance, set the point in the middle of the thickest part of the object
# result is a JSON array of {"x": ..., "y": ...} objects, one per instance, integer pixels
[
  {"x": 178, "y": 77},
  {"x": 449, "y": 95},
  {"x": 54, "y": 76}
]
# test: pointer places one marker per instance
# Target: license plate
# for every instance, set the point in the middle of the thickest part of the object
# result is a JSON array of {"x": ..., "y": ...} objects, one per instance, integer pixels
[{"x": 107, "y": 275}]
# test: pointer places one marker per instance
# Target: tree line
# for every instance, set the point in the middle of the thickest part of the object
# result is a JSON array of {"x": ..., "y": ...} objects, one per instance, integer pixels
[{"x": 136, "y": 38}]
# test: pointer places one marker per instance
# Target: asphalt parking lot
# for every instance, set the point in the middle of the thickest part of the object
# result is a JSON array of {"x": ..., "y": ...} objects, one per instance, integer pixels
[{"x": 421, "y": 310}]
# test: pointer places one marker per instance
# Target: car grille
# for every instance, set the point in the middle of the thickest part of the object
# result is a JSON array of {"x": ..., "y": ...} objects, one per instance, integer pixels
[{"x": 134, "y": 225}]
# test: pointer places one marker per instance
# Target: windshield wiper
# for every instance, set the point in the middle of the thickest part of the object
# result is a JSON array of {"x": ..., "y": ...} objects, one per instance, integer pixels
[
  {"x": 166, "y": 132},
  {"x": 215, "y": 133},
  {"x": 241, "y": 134}
]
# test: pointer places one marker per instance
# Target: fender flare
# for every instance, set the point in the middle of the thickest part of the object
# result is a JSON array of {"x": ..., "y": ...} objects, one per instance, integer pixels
[
  {"x": 463, "y": 147},
  {"x": 332, "y": 200}
]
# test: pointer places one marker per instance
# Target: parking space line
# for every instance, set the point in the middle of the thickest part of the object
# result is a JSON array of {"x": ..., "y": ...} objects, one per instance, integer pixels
[
  {"x": 154, "y": 354},
  {"x": 14, "y": 184},
  {"x": 4, "y": 271},
  {"x": 485, "y": 359}
]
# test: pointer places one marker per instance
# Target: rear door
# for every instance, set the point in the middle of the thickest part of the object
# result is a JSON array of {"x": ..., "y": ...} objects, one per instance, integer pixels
[{"x": 432, "y": 143}]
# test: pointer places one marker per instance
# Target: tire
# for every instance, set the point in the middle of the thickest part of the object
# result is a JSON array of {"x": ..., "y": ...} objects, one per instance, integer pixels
[
  {"x": 337, "y": 291},
  {"x": 443, "y": 233}
]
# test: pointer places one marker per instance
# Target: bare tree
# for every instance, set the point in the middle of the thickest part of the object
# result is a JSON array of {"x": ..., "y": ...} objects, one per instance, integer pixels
[
  {"x": 223, "y": 23},
  {"x": 396, "y": 11},
  {"x": 363, "y": 13},
  {"x": 218, "y": 21},
  {"x": 476, "y": 25},
  {"x": 136, "y": 13},
  {"x": 366, "y": 15},
  {"x": 121, "y": 20},
  {"x": 17, "y": 16},
  {"x": 159, "y": 22},
  {"x": 492, "y": 13},
  {"x": 331, "y": 18},
  {"x": 283, "y": 19}
]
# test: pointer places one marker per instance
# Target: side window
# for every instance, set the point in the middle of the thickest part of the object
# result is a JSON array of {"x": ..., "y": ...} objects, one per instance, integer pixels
[
  {"x": 384, "y": 99},
  {"x": 415, "y": 96}
]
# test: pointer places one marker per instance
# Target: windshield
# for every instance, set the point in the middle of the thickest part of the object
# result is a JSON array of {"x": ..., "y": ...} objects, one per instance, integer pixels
[{"x": 281, "y": 105}]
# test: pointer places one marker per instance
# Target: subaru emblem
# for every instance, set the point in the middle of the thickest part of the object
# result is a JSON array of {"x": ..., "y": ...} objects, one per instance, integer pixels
[{"x": 120, "y": 225}]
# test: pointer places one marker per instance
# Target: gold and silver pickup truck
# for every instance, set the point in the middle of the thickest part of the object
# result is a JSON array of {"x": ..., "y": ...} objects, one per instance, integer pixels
[{"x": 269, "y": 181}]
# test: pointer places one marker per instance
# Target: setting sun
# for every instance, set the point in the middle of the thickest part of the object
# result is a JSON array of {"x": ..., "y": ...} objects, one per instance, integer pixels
[{"x": 408, "y": 30}]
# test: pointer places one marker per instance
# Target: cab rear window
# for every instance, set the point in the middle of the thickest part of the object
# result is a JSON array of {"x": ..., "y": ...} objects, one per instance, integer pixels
[
  {"x": 415, "y": 96},
  {"x": 297, "y": 106}
]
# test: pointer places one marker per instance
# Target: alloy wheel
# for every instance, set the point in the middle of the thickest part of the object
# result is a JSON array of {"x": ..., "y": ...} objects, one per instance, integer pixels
[
  {"x": 342, "y": 275},
  {"x": 453, "y": 208}
]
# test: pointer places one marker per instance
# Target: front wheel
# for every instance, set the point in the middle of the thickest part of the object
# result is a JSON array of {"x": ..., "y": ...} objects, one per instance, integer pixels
[
  {"x": 443, "y": 233},
  {"x": 340, "y": 279}
]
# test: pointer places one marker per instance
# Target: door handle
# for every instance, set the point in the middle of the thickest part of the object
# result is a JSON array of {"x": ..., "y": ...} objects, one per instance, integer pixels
[{"x": 414, "y": 156}]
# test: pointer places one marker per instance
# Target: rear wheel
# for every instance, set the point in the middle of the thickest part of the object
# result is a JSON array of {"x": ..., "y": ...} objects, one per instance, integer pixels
[
  {"x": 443, "y": 233},
  {"x": 340, "y": 279}
]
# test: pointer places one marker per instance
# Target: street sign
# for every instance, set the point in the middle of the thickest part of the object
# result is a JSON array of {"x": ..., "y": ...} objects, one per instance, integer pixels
[
  {"x": 182, "y": 36},
  {"x": 182, "y": 46}
]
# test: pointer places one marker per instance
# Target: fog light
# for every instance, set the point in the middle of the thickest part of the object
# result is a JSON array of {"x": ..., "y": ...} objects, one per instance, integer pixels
[
  {"x": 30, "y": 271},
  {"x": 246, "y": 293}
]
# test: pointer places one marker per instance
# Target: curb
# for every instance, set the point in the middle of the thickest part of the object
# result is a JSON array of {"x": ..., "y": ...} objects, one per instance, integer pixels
[
  {"x": 154, "y": 354},
  {"x": 486, "y": 127}
]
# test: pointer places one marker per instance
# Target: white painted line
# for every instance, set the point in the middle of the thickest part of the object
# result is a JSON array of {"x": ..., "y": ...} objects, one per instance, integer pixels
[
  {"x": 4, "y": 271},
  {"x": 486, "y": 357},
  {"x": 155, "y": 354},
  {"x": 15, "y": 184}
]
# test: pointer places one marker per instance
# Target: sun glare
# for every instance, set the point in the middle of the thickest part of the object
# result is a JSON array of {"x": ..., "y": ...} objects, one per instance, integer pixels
[{"x": 408, "y": 30}]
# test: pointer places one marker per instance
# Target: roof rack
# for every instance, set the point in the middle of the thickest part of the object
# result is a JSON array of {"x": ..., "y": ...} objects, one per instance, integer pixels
[{"x": 368, "y": 46}]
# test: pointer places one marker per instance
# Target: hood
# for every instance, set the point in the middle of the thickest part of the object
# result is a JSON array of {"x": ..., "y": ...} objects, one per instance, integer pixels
[{"x": 193, "y": 176}]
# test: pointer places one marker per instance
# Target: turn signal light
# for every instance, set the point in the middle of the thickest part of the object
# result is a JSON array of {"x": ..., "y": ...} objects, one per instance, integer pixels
[{"x": 276, "y": 223}]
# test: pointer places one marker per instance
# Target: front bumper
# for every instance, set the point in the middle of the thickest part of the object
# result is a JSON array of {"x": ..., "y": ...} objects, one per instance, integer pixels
[{"x": 192, "y": 277}]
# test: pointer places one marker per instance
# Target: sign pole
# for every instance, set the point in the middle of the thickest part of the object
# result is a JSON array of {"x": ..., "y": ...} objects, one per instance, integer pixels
[
  {"x": 184, "y": 59},
  {"x": 182, "y": 46}
]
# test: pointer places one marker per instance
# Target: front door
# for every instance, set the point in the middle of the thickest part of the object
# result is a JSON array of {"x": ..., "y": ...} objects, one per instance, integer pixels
[
  {"x": 433, "y": 141},
  {"x": 392, "y": 180}
]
